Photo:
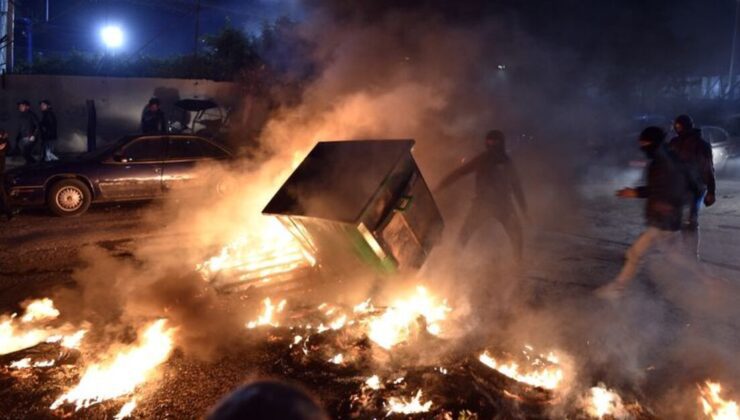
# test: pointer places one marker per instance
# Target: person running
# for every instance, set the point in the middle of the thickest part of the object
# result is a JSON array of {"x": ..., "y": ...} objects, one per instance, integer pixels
[{"x": 668, "y": 183}]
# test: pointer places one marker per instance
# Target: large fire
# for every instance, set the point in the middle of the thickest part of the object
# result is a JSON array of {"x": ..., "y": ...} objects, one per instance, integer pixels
[
  {"x": 395, "y": 324},
  {"x": 17, "y": 333},
  {"x": 270, "y": 251},
  {"x": 543, "y": 371},
  {"x": 119, "y": 374},
  {"x": 714, "y": 406}
]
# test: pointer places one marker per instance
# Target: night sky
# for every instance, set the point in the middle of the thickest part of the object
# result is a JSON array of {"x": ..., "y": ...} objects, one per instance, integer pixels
[
  {"x": 152, "y": 27},
  {"x": 166, "y": 27}
]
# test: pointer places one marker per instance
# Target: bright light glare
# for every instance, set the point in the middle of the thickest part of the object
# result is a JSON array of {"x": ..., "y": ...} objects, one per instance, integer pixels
[{"x": 112, "y": 36}]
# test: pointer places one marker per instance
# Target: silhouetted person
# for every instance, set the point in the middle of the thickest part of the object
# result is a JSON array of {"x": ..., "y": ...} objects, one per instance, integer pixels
[
  {"x": 497, "y": 187},
  {"x": 696, "y": 154},
  {"x": 267, "y": 400},
  {"x": 4, "y": 146},
  {"x": 28, "y": 125},
  {"x": 153, "y": 120},
  {"x": 48, "y": 131},
  {"x": 668, "y": 183}
]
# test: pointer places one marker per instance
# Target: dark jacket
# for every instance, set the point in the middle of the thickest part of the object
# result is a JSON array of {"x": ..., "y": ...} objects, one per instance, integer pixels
[
  {"x": 48, "y": 125},
  {"x": 28, "y": 125},
  {"x": 496, "y": 179},
  {"x": 668, "y": 184},
  {"x": 696, "y": 154},
  {"x": 153, "y": 121}
]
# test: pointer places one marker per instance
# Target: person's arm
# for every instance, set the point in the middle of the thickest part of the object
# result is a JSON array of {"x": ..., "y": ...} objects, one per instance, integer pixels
[
  {"x": 458, "y": 173},
  {"x": 34, "y": 120},
  {"x": 516, "y": 186}
]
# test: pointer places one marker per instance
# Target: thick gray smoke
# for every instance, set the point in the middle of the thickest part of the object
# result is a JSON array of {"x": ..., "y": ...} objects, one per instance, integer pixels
[{"x": 398, "y": 73}]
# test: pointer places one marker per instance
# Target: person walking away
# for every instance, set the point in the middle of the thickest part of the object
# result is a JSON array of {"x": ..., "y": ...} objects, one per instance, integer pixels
[
  {"x": 497, "y": 188},
  {"x": 48, "y": 130},
  {"x": 668, "y": 183},
  {"x": 696, "y": 154},
  {"x": 28, "y": 125},
  {"x": 153, "y": 120},
  {"x": 4, "y": 147}
]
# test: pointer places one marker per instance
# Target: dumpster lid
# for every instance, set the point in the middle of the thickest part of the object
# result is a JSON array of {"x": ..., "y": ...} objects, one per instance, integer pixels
[{"x": 338, "y": 179}]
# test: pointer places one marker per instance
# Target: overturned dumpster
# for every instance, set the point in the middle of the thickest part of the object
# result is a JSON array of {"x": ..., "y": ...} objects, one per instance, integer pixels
[{"x": 359, "y": 205}]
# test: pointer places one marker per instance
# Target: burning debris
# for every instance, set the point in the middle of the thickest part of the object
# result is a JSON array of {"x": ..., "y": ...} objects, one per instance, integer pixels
[
  {"x": 543, "y": 371},
  {"x": 119, "y": 374},
  {"x": 400, "y": 405},
  {"x": 714, "y": 406},
  {"x": 601, "y": 402},
  {"x": 267, "y": 317}
]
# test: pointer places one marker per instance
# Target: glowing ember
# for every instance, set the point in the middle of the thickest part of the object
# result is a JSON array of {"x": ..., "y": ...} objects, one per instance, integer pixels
[
  {"x": 266, "y": 318},
  {"x": 268, "y": 251},
  {"x": 126, "y": 410},
  {"x": 601, "y": 402},
  {"x": 538, "y": 374},
  {"x": 714, "y": 406},
  {"x": 124, "y": 371},
  {"x": 338, "y": 323},
  {"x": 395, "y": 324},
  {"x": 40, "y": 309},
  {"x": 337, "y": 360},
  {"x": 373, "y": 382},
  {"x": 402, "y": 405}
]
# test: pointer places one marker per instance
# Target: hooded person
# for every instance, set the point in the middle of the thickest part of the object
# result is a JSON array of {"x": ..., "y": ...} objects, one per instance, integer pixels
[
  {"x": 696, "y": 154},
  {"x": 668, "y": 183},
  {"x": 497, "y": 188},
  {"x": 153, "y": 120}
]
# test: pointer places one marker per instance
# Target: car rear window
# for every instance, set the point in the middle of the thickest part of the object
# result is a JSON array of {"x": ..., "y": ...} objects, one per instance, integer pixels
[
  {"x": 144, "y": 150},
  {"x": 190, "y": 148}
]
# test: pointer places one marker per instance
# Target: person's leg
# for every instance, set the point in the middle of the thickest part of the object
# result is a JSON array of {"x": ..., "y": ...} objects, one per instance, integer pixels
[
  {"x": 690, "y": 228},
  {"x": 49, "y": 154},
  {"x": 513, "y": 228},
  {"x": 27, "y": 147},
  {"x": 634, "y": 255},
  {"x": 472, "y": 222},
  {"x": 4, "y": 202}
]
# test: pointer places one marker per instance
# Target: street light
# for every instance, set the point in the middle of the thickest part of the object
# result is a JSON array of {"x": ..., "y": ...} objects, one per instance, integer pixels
[{"x": 112, "y": 36}]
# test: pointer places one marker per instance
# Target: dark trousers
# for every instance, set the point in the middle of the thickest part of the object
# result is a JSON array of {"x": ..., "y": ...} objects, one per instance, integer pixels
[
  {"x": 690, "y": 227},
  {"x": 27, "y": 146},
  {"x": 482, "y": 214}
]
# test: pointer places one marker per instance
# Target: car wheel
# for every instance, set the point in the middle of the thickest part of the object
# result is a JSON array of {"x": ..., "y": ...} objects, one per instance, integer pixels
[{"x": 69, "y": 197}]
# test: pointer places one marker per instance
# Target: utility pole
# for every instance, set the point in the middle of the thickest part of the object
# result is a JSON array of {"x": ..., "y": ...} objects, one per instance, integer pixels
[
  {"x": 731, "y": 78},
  {"x": 10, "y": 38},
  {"x": 197, "y": 28}
]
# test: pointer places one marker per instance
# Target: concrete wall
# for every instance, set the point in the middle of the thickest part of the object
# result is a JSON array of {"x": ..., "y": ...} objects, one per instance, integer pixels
[{"x": 118, "y": 101}]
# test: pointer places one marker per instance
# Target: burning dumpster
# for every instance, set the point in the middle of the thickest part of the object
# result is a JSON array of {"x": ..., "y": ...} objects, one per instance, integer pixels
[{"x": 360, "y": 204}]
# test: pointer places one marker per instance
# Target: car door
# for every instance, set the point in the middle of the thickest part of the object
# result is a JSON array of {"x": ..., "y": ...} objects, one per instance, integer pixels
[
  {"x": 135, "y": 171},
  {"x": 183, "y": 168}
]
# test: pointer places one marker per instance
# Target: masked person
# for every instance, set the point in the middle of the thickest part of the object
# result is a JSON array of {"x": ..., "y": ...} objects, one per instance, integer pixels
[
  {"x": 48, "y": 130},
  {"x": 153, "y": 120},
  {"x": 28, "y": 125},
  {"x": 696, "y": 154},
  {"x": 4, "y": 146},
  {"x": 497, "y": 186},
  {"x": 668, "y": 183}
]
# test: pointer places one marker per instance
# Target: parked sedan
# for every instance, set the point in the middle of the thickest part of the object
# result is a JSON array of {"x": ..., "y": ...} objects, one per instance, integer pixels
[{"x": 140, "y": 167}]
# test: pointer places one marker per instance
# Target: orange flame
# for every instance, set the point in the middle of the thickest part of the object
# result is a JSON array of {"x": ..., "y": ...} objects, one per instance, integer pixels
[{"x": 714, "y": 406}]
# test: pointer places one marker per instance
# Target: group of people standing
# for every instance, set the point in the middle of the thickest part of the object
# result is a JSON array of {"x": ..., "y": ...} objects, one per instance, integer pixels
[
  {"x": 33, "y": 131},
  {"x": 679, "y": 180}
]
